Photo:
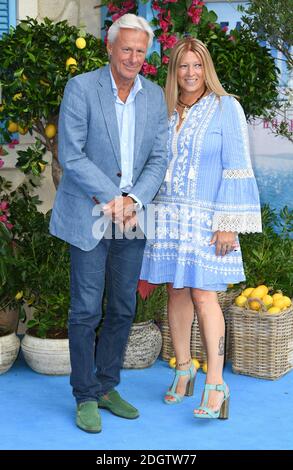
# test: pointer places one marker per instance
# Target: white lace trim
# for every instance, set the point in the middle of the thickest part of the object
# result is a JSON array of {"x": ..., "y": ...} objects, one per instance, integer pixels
[
  {"x": 238, "y": 173},
  {"x": 245, "y": 222}
]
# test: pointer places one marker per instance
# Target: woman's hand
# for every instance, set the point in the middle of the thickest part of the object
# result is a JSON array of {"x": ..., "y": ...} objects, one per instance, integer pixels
[{"x": 224, "y": 241}]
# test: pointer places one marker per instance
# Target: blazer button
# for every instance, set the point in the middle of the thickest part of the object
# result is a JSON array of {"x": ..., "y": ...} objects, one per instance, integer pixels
[
  {"x": 96, "y": 200},
  {"x": 119, "y": 174}
]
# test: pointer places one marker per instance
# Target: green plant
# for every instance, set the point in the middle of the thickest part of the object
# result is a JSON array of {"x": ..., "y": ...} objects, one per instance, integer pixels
[
  {"x": 31, "y": 159},
  {"x": 33, "y": 74},
  {"x": 151, "y": 306},
  {"x": 45, "y": 270},
  {"x": 29, "y": 257},
  {"x": 268, "y": 256},
  {"x": 16, "y": 209},
  {"x": 271, "y": 21}
]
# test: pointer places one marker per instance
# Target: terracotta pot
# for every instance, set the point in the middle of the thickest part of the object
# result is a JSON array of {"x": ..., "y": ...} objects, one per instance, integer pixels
[{"x": 8, "y": 321}]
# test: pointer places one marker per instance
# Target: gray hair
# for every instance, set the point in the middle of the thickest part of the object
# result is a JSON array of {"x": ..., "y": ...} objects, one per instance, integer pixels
[{"x": 131, "y": 21}]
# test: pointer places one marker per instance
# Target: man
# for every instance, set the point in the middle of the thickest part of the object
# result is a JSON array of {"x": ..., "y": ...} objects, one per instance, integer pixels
[{"x": 112, "y": 148}]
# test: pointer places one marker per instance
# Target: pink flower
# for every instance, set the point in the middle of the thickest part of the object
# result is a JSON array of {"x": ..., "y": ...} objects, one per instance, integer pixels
[
  {"x": 225, "y": 29},
  {"x": 9, "y": 226},
  {"x": 165, "y": 22},
  {"x": 232, "y": 38},
  {"x": 4, "y": 205},
  {"x": 3, "y": 218},
  {"x": 195, "y": 13},
  {"x": 112, "y": 8},
  {"x": 118, "y": 11},
  {"x": 157, "y": 7},
  {"x": 1, "y": 162},
  {"x": 129, "y": 5},
  {"x": 167, "y": 41},
  {"x": 165, "y": 59},
  {"x": 149, "y": 69}
]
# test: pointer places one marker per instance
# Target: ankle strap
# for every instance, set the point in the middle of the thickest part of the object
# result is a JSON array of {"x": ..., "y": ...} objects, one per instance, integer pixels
[{"x": 219, "y": 387}]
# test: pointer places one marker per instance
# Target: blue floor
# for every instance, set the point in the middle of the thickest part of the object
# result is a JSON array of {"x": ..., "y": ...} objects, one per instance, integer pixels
[{"x": 37, "y": 412}]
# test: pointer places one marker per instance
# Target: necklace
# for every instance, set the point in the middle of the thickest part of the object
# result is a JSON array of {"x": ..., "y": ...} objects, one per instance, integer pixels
[{"x": 186, "y": 107}]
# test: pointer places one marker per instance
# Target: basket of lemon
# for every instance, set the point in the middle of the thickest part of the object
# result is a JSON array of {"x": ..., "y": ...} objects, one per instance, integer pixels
[{"x": 262, "y": 326}]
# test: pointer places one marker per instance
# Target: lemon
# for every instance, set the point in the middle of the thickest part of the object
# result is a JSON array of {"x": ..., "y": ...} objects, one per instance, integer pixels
[
  {"x": 1, "y": 107},
  {"x": 205, "y": 367},
  {"x": 71, "y": 64},
  {"x": 80, "y": 43},
  {"x": 50, "y": 131},
  {"x": 287, "y": 301},
  {"x": 172, "y": 362},
  {"x": 42, "y": 82},
  {"x": 274, "y": 310},
  {"x": 259, "y": 292},
  {"x": 22, "y": 130},
  {"x": 31, "y": 300},
  {"x": 42, "y": 166},
  {"x": 19, "y": 295},
  {"x": 17, "y": 97},
  {"x": 24, "y": 77},
  {"x": 247, "y": 291},
  {"x": 279, "y": 303},
  {"x": 268, "y": 300},
  {"x": 12, "y": 127},
  {"x": 254, "y": 305},
  {"x": 240, "y": 301},
  {"x": 278, "y": 295},
  {"x": 196, "y": 363}
]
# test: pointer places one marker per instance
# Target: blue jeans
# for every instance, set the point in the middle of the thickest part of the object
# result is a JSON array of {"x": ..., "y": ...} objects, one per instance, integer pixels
[{"x": 96, "y": 368}]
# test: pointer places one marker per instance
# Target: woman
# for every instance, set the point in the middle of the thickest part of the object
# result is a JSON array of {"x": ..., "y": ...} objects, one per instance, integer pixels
[{"x": 209, "y": 195}]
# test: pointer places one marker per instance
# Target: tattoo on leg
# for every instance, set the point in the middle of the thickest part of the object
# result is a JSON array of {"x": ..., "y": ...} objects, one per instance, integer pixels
[{"x": 221, "y": 346}]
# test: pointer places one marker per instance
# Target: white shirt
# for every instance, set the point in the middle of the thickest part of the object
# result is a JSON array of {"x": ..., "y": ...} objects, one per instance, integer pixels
[{"x": 125, "y": 113}]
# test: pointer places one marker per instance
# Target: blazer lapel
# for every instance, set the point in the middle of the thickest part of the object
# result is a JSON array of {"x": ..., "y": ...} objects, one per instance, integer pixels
[
  {"x": 107, "y": 100},
  {"x": 140, "y": 120}
]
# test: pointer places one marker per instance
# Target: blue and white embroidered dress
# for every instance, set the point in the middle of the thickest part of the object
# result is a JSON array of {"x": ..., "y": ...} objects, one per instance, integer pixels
[{"x": 209, "y": 186}]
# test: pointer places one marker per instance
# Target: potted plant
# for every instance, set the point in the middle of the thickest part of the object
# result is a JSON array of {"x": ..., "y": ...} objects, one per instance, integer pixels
[
  {"x": 28, "y": 274},
  {"x": 145, "y": 339},
  {"x": 11, "y": 280},
  {"x": 45, "y": 344}
]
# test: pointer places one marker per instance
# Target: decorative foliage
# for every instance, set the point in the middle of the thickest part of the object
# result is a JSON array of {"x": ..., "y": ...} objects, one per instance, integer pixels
[
  {"x": 29, "y": 256},
  {"x": 150, "y": 303},
  {"x": 37, "y": 59},
  {"x": 268, "y": 256},
  {"x": 271, "y": 21}
]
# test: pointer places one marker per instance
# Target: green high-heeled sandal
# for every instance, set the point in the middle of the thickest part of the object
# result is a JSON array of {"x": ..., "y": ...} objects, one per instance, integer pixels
[
  {"x": 223, "y": 411},
  {"x": 177, "y": 397}
]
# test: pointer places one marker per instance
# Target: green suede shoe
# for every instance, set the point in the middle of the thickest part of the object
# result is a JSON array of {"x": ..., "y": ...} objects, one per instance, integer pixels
[
  {"x": 119, "y": 407},
  {"x": 88, "y": 417}
]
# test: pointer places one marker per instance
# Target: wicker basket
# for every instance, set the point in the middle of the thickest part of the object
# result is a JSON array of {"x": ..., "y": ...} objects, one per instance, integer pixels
[
  {"x": 263, "y": 343},
  {"x": 197, "y": 349}
]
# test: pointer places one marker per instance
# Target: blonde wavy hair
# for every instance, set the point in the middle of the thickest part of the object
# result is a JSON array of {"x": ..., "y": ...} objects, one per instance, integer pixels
[{"x": 172, "y": 89}]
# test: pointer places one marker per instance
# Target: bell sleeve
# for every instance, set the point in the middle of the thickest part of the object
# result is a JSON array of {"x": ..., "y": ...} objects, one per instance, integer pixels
[{"x": 237, "y": 207}]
